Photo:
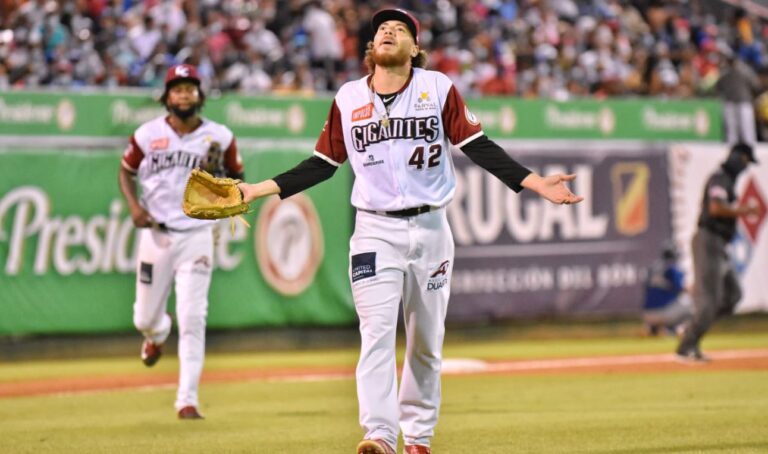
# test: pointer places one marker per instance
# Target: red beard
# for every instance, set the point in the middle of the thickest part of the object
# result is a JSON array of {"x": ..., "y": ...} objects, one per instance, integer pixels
[{"x": 399, "y": 58}]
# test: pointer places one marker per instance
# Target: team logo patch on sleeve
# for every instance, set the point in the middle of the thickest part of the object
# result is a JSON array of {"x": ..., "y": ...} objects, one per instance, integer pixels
[
  {"x": 718, "y": 193},
  {"x": 363, "y": 266},
  {"x": 145, "y": 273},
  {"x": 363, "y": 113},
  {"x": 471, "y": 118}
]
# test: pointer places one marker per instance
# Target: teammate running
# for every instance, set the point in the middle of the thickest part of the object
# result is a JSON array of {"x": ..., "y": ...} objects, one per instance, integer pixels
[
  {"x": 396, "y": 127},
  {"x": 173, "y": 247}
]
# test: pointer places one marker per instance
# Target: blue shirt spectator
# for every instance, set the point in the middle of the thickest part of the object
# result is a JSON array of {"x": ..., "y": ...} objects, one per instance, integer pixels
[
  {"x": 666, "y": 306},
  {"x": 664, "y": 285}
]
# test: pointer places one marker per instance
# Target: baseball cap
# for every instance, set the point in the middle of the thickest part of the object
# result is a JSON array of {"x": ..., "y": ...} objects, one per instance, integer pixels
[
  {"x": 402, "y": 15},
  {"x": 182, "y": 73},
  {"x": 746, "y": 149}
]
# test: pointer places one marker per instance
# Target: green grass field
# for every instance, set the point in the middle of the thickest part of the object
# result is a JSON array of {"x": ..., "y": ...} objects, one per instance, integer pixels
[{"x": 690, "y": 410}]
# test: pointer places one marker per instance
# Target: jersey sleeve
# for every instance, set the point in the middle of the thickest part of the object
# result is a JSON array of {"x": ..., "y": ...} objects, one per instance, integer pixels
[
  {"x": 233, "y": 162},
  {"x": 461, "y": 125},
  {"x": 717, "y": 189},
  {"x": 132, "y": 156},
  {"x": 330, "y": 145},
  {"x": 491, "y": 157}
]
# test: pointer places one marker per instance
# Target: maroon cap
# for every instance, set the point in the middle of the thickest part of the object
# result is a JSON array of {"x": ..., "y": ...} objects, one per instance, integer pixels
[
  {"x": 182, "y": 72},
  {"x": 402, "y": 15}
]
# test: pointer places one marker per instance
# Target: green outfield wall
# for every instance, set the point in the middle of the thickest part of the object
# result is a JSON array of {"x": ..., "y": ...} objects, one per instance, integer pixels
[
  {"x": 67, "y": 248},
  {"x": 67, "y": 245}
]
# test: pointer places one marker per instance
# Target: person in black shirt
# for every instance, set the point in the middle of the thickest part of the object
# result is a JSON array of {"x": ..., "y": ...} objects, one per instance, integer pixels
[{"x": 716, "y": 287}]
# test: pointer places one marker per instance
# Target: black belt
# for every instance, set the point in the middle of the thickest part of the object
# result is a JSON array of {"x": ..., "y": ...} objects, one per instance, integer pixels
[
  {"x": 161, "y": 226},
  {"x": 406, "y": 213}
]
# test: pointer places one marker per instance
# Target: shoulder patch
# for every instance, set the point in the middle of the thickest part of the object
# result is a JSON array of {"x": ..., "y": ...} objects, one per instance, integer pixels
[{"x": 471, "y": 118}]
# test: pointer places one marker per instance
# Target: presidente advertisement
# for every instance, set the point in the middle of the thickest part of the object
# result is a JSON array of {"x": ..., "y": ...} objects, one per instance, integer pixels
[{"x": 68, "y": 248}]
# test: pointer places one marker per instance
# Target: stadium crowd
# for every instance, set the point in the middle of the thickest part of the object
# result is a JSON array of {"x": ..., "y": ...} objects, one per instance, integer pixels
[{"x": 558, "y": 49}]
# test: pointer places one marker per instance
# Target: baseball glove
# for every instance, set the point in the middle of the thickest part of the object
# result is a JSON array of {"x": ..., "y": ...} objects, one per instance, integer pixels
[{"x": 209, "y": 197}]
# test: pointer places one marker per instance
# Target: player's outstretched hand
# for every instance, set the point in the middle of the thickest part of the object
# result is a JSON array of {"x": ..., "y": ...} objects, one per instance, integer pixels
[
  {"x": 255, "y": 191},
  {"x": 552, "y": 188}
]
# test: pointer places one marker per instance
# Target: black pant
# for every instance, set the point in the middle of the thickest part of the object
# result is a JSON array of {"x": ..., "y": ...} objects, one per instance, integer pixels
[{"x": 716, "y": 288}]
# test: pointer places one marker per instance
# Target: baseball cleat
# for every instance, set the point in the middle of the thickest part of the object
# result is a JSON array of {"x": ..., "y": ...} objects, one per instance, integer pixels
[
  {"x": 692, "y": 357},
  {"x": 150, "y": 353},
  {"x": 374, "y": 447},
  {"x": 417, "y": 449},
  {"x": 190, "y": 412}
]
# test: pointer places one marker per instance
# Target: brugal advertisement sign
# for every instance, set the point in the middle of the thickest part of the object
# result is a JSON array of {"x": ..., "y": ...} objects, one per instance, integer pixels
[{"x": 519, "y": 256}]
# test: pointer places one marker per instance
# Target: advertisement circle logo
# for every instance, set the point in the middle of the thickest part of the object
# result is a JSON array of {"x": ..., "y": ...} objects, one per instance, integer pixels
[
  {"x": 296, "y": 118},
  {"x": 701, "y": 122},
  {"x": 66, "y": 115},
  {"x": 288, "y": 243},
  {"x": 606, "y": 121},
  {"x": 508, "y": 119}
]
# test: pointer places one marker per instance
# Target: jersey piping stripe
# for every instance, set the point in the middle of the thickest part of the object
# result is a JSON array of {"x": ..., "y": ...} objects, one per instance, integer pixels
[
  {"x": 470, "y": 138},
  {"x": 327, "y": 159}
]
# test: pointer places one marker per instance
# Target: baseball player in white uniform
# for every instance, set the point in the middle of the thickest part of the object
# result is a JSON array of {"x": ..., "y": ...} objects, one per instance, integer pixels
[
  {"x": 174, "y": 248},
  {"x": 396, "y": 127}
]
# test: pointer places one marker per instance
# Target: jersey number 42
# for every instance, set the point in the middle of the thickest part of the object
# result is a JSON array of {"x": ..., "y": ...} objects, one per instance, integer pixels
[{"x": 432, "y": 159}]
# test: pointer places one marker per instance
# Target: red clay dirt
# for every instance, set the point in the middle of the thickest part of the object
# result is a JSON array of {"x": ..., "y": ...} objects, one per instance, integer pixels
[{"x": 722, "y": 360}]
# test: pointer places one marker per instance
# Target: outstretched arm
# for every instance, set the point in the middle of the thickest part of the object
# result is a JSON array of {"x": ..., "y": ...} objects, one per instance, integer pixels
[
  {"x": 552, "y": 187},
  {"x": 255, "y": 191},
  {"x": 305, "y": 175},
  {"x": 491, "y": 157},
  {"x": 488, "y": 155}
]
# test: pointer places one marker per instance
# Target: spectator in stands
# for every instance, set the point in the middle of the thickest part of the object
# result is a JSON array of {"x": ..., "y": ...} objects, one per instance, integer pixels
[
  {"x": 557, "y": 49},
  {"x": 737, "y": 86},
  {"x": 4, "y": 83},
  {"x": 324, "y": 43},
  {"x": 761, "y": 107}
]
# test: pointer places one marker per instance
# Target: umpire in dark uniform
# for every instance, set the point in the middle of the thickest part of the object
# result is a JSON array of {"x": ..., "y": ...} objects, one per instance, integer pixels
[{"x": 716, "y": 288}]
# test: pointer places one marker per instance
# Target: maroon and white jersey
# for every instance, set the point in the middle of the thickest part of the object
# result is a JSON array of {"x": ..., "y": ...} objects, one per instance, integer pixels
[
  {"x": 162, "y": 161},
  {"x": 401, "y": 159}
]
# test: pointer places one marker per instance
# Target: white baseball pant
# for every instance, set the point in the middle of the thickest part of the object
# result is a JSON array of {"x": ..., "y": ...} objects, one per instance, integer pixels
[
  {"x": 186, "y": 258},
  {"x": 394, "y": 259}
]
